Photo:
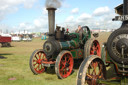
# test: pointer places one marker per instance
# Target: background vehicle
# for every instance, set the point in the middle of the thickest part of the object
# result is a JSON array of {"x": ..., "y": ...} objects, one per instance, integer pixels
[
  {"x": 93, "y": 69},
  {"x": 5, "y": 41}
]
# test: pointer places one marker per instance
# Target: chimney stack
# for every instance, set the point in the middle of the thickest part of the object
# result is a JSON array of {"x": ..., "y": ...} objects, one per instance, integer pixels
[
  {"x": 51, "y": 20},
  {"x": 125, "y": 12},
  {"x": 125, "y": 7}
]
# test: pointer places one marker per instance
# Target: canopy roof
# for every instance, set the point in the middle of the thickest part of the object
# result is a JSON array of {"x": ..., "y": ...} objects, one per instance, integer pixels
[{"x": 119, "y": 9}]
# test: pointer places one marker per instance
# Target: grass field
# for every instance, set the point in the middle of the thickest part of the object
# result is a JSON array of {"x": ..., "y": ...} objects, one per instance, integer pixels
[{"x": 14, "y": 65}]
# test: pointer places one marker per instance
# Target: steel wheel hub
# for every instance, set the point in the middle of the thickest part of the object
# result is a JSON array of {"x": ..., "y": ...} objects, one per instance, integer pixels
[{"x": 39, "y": 61}]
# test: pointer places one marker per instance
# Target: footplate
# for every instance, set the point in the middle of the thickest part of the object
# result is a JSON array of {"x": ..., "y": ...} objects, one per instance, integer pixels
[{"x": 48, "y": 63}]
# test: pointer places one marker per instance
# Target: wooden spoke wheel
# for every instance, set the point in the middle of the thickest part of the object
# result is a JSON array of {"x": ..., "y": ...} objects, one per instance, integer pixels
[
  {"x": 36, "y": 62},
  {"x": 92, "y": 47},
  {"x": 64, "y": 64},
  {"x": 91, "y": 69}
]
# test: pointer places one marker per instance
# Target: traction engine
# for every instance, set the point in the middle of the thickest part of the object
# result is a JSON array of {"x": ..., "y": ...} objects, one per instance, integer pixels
[
  {"x": 114, "y": 53},
  {"x": 61, "y": 48}
]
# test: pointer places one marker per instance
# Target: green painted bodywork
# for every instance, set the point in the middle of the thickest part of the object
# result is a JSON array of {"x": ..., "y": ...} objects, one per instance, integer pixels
[
  {"x": 68, "y": 45},
  {"x": 74, "y": 44},
  {"x": 104, "y": 55},
  {"x": 64, "y": 45},
  {"x": 73, "y": 47},
  {"x": 77, "y": 53},
  {"x": 76, "y": 38},
  {"x": 106, "y": 58}
]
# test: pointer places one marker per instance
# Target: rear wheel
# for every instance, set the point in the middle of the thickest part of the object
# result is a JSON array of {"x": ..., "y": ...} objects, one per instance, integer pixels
[
  {"x": 91, "y": 69},
  {"x": 92, "y": 47},
  {"x": 64, "y": 64},
  {"x": 36, "y": 61}
]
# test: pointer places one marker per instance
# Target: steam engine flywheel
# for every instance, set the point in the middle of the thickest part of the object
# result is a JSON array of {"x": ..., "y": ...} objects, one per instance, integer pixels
[{"x": 117, "y": 46}]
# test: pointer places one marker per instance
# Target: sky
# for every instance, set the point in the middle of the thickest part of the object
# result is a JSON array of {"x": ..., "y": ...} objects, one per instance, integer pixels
[{"x": 31, "y": 15}]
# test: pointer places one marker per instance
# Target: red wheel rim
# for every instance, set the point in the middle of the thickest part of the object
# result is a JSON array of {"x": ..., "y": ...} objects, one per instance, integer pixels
[
  {"x": 66, "y": 65},
  {"x": 36, "y": 62},
  {"x": 94, "y": 72},
  {"x": 95, "y": 48}
]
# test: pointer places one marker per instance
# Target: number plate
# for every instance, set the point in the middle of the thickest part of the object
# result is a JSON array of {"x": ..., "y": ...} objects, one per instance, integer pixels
[{"x": 121, "y": 18}]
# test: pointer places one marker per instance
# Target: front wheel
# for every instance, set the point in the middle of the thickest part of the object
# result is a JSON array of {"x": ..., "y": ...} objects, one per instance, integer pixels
[
  {"x": 36, "y": 62},
  {"x": 91, "y": 69},
  {"x": 64, "y": 64}
]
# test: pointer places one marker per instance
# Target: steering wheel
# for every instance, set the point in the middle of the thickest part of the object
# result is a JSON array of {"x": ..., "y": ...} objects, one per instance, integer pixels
[{"x": 86, "y": 32}]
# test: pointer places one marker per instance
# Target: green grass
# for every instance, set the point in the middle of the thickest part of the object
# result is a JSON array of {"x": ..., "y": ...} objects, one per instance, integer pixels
[{"x": 15, "y": 64}]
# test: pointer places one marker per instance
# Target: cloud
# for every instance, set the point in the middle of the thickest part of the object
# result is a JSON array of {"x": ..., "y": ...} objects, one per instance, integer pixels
[
  {"x": 45, "y": 11},
  {"x": 81, "y": 18},
  {"x": 41, "y": 22},
  {"x": 70, "y": 19},
  {"x": 97, "y": 19},
  {"x": 65, "y": 4},
  {"x": 101, "y": 11},
  {"x": 75, "y": 11},
  {"x": 28, "y": 3},
  {"x": 101, "y": 18},
  {"x": 11, "y": 6},
  {"x": 39, "y": 25},
  {"x": 4, "y": 27},
  {"x": 22, "y": 25},
  {"x": 84, "y": 16}
]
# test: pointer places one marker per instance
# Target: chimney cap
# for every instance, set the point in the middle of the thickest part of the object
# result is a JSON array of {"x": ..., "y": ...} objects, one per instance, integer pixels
[{"x": 51, "y": 8}]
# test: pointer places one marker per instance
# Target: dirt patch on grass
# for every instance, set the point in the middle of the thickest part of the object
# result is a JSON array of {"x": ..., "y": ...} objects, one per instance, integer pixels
[
  {"x": 49, "y": 78},
  {"x": 1, "y": 65},
  {"x": 12, "y": 78}
]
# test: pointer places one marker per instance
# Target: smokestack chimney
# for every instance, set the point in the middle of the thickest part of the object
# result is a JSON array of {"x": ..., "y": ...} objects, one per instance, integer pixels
[
  {"x": 125, "y": 7},
  {"x": 125, "y": 12},
  {"x": 51, "y": 20}
]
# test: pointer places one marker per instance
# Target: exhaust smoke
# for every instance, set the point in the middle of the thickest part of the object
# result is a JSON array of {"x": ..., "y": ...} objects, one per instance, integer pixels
[{"x": 53, "y": 3}]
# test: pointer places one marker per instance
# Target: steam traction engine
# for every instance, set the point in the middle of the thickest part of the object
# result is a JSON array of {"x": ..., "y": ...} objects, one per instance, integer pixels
[
  {"x": 115, "y": 52},
  {"x": 61, "y": 48}
]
